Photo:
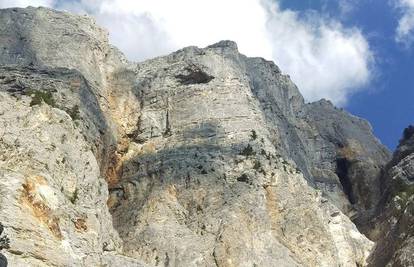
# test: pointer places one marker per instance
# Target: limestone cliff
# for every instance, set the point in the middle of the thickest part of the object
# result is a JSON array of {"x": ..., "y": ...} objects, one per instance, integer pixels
[
  {"x": 394, "y": 220},
  {"x": 204, "y": 157}
]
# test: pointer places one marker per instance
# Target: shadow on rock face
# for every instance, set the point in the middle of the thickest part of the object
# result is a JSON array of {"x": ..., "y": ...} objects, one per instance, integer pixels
[
  {"x": 4, "y": 244},
  {"x": 193, "y": 184},
  {"x": 393, "y": 224},
  {"x": 80, "y": 102},
  {"x": 194, "y": 75},
  {"x": 3, "y": 261},
  {"x": 342, "y": 172}
]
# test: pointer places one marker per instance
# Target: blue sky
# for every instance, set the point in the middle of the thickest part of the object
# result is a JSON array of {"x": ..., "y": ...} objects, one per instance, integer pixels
[
  {"x": 356, "y": 53},
  {"x": 387, "y": 102}
]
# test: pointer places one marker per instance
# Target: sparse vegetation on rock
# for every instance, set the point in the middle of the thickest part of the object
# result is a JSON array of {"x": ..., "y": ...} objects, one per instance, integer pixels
[
  {"x": 40, "y": 96},
  {"x": 170, "y": 165}
]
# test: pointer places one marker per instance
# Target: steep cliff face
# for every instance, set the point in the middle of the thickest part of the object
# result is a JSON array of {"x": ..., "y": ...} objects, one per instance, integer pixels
[
  {"x": 203, "y": 157},
  {"x": 394, "y": 223},
  {"x": 203, "y": 184},
  {"x": 55, "y": 139},
  {"x": 335, "y": 151}
]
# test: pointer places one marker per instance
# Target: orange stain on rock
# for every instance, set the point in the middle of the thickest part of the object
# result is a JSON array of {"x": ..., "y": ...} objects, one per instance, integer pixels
[{"x": 40, "y": 210}]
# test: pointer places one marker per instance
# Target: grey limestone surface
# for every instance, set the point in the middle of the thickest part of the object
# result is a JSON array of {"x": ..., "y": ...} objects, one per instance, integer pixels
[{"x": 204, "y": 157}]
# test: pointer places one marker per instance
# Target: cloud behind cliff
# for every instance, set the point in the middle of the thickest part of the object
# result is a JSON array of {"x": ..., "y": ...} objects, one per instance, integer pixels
[
  {"x": 405, "y": 29},
  {"x": 324, "y": 58},
  {"x": 25, "y": 3}
]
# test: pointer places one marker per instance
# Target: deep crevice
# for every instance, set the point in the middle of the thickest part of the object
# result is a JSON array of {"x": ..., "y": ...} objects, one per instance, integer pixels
[{"x": 342, "y": 166}]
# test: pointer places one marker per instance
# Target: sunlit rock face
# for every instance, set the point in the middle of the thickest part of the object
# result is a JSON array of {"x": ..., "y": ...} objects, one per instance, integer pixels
[{"x": 203, "y": 157}]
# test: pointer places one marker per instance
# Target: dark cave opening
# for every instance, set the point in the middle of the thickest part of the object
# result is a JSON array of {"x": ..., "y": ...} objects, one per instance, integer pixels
[
  {"x": 342, "y": 166},
  {"x": 195, "y": 76}
]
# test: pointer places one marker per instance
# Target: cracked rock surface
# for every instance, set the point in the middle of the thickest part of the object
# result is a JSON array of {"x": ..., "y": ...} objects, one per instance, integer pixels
[
  {"x": 203, "y": 157},
  {"x": 394, "y": 221}
]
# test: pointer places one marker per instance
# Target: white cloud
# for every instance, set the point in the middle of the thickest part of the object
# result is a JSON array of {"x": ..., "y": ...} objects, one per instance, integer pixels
[
  {"x": 405, "y": 29},
  {"x": 325, "y": 59},
  {"x": 347, "y": 6},
  {"x": 25, "y": 3},
  {"x": 149, "y": 28}
]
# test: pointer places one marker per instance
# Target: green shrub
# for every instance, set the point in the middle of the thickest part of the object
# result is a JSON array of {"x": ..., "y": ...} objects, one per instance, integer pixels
[
  {"x": 40, "y": 96},
  {"x": 257, "y": 165},
  {"x": 243, "y": 178},
  {"x": 253, "y": 135},
  {"x": 74, "y": 196},
  {"x": 74, "y": 112},
  {"x": 248, "y": 151},
  {"x": 404, "y": 192}
]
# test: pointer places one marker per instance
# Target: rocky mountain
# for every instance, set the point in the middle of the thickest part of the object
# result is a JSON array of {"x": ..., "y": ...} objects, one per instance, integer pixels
[
  {"x": 394, "y": 220},
  {"x": 204, "y": 157}
]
